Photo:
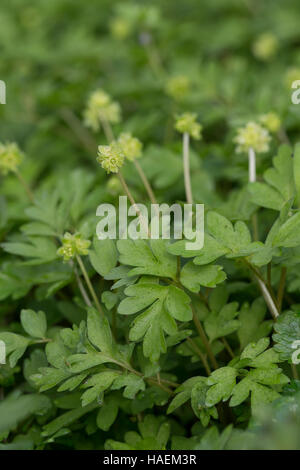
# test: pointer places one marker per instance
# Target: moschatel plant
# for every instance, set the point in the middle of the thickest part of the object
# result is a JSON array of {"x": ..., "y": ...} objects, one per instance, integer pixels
[
  {"x": 144, "y": 344},
  {"x": 156, "y": 328}
]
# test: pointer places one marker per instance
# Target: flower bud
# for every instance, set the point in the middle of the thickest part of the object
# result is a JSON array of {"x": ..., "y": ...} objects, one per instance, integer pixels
[
  {"x": 252, "y": 136},
  {"x": 186, "y": 123},
  {"x": 131, "y": 146},
  {"x": 73, "y": 245},
  {"x": 10, "y": 158},
  {"x": 111, "y": 157}
]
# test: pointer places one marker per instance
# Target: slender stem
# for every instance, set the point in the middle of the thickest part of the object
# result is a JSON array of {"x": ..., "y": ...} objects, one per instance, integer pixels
[
  {"x": 25, "y": 186},
  {"x": 252, "y": 165},
  {"x": 228, "y": 348},
  {"x": 145, "y": 182},
  {"x": 154, "y": 61},
  {"x": 200, "y": 354},
  {"x": 204, "y": 339},
  {"x": 126, "y": 189},
  {"x": 295, "y": 372},
  {"x": 79, "y": 130},
  {"x": 89, "y": 284},
  {"x": 186, "y": 168},
  {"x": 281, "y": 288},
  {"x": 269, "y": 274},
  {"x": 265, "y": 291},
  {"x": 82, "y": 289},
  {"x": 107, "y": 129},
  {"x": 282, "y": 135},
  {"x": 133, "y": 203}
]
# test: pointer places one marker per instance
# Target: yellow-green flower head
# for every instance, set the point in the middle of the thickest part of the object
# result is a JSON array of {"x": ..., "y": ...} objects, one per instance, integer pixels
[
  {"x": 111, "y": 157},
  {"x": 265, "y": 47},
  {"x": 186, "y": 123},
  {"x": 131, "y": 146},
  {"x": 178, "y": 87},
  {"x": 271, "y": 121},
  {"x": 291, "y": 76},
  {"x": 10, "y": 158},
  {"x": 99, "y": 107},
  {"x": 73, "y": 245},
  {"x": 252, "y": 136},
  {"x": 120, "y": 27}
]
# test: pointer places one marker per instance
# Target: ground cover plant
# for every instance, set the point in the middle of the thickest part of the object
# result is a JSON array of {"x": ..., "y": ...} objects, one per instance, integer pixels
[{"x": 143, "y": 344}]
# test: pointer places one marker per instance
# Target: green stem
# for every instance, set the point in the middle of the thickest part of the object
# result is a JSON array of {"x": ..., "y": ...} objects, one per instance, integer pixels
[
  {"x": 200, "y": 354},
  {"x": 204, "y": 339},
  {"x": 25, "y": 186},
  {"x": 89, "y": 284},
  {"x": 186, "y": 168},
  {"x": 145, "y": 182}
]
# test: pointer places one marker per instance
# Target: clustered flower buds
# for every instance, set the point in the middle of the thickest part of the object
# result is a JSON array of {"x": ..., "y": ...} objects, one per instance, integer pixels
[
  {"x": 186, "y": 123},
  {"x": 120, "y": 27},
  {"x": 271, "y": 121},
  {"x": 10, "y": 158},
  {"x": 252, "y": 136},
  {"x": 266, "y": 46},
  {"x": 99, "y": 107},
  {"x": 178, "y": 87},
  {"x": 111, "y": 157},
  {"x": 131, "y": 146},
  {"x": 73, "y": 245}
]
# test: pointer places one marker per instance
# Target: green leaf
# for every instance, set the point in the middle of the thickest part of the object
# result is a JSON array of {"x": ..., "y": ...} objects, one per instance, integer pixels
[
  {"x": 222, "y": 382},
  {"x": 296, "y": 162},
  {"x": 39, "y": 249},
  {"x": 288, "y": 234},
  {"x": 193, "y": 277},
  {"x": 164, "y": 305},
  {"x": 34, "y": 323},
  {"x": 253, "y": 327},
  {"x": 222, "y": 323},
  {"x": 103, "y": 255},
  {"x": 99, "y": 332},
  {"x": 14, "y": 410},
  {"x": 183, "y": 392},
  {"x": 279, "y": 187},
  {"x": 15, "y": 346},
  {"x": 107, "y": 414},
  {"x": 132, "y": 383},
  {"x": 66, "y": 419},
  {"x": 149, "y": 258}
]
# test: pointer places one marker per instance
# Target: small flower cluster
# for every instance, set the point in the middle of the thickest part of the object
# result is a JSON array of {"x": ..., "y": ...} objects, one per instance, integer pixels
[
  {"x": 265, "y": 47},
  {"x": 131, "y": 146},
  {"x": 10, "y": 158},
  {"x": 252, "y": 136},
  {"x": 111, "y": 157},
  {"x": 120, "y": 28},
  {"x": 99, "y": 107},
  {"x": 271, "y": 121},
  {"x": 73, "y": 245},
  {"x": 178, "y": 87},
  {"x": 186, "y": 123}
]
